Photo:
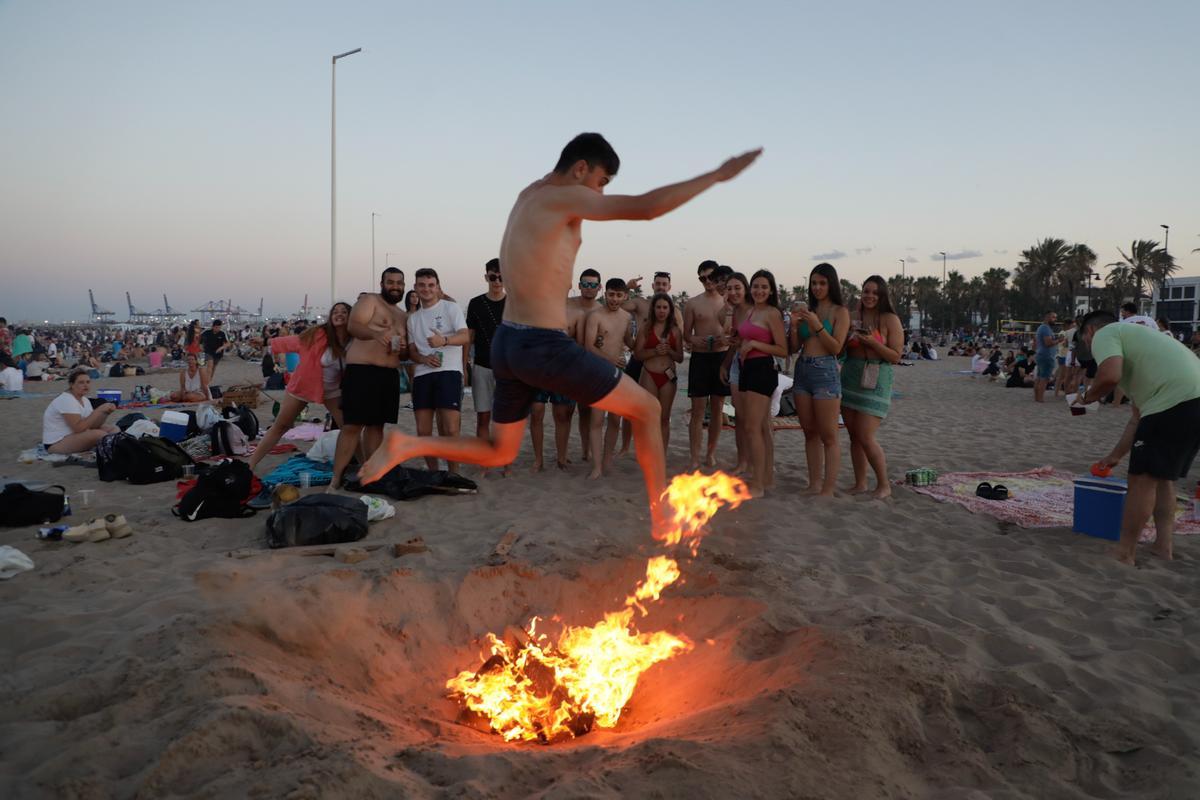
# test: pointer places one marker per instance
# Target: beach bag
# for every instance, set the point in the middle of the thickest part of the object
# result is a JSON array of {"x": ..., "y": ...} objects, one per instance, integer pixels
[
  {"x": 124, "y": 422},
  {"x": 223, "y": 491},
  {"x": 244, "y": 418},
  {"x": 20, "y": 505},
  {"x": 869, "y": 378},
  {"x": 152, "y": 459},
  {"x": 206, "y": 417},
  {"x": 408, "y": 483},
  {"x": 113, "y": 457},
  {"x": 317, "y": 519},
  {"x": 227, "y": 439}
]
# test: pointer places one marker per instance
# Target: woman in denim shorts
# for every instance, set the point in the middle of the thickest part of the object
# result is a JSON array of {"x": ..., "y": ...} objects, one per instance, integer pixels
[{"x": 818, "y": 332}]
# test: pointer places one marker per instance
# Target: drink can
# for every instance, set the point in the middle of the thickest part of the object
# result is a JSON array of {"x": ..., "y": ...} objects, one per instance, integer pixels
[{"x": 52, "y": 533}]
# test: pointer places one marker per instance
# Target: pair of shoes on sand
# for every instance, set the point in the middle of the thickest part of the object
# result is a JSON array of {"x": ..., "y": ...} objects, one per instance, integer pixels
[{"x": 110, "y": 526}]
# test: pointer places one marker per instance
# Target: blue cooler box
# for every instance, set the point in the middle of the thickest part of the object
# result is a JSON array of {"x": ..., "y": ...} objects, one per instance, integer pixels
[
  {"x": 174, "y": 426},
  {"x": 1099, "y": 506},
  {"x": 110, "y": 396}
]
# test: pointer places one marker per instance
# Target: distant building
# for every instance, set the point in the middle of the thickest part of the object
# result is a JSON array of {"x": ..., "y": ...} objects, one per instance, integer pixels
[{"x": 1176, "y": 300}]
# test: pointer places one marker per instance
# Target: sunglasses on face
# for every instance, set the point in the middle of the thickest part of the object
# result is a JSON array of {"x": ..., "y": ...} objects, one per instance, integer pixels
[
  {"x": 494, "y": 277},
  {"x": 589, "y": 284},
  {"x": 706, "y": 278}
]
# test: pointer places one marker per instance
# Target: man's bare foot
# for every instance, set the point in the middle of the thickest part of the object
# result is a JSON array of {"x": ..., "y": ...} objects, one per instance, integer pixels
[
  {"x": 693, "y": 466},
  {"x": 1123, "y": 555},
  {"x": 563, "y": 465},
  {"x": 594, "y": 475},
  {"x": 537, "y": 466},
  {"x": 397, "y": 448},
  {"x": 882, "y": 492},
  {"x": 756, "y": 490},
  {"x": 858, "y": 488},
  {"x": 810, "y": 491},
  {"x": 711, "y": 461},
  {"x": 739, "y": 469},
  {"x": 1162, "y": 552}
]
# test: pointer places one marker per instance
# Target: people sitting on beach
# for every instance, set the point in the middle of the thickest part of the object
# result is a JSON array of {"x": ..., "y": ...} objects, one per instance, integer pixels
[
  {"x": 193, "y": 383},
  {"x": 38, "y": 368},
  {"x": 70, "y": 424},
  {"x": 1020, "y": 373},
  {"x": 992, "y": 370},
  {"x": 11, "y": 378}
]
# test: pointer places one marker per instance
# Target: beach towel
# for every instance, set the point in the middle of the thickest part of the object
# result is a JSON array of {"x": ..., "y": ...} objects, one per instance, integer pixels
[
  {"x": 320, "y": 473},
  {"x": 305, "y": 432},
  {"x": 1038, "y": 498}
]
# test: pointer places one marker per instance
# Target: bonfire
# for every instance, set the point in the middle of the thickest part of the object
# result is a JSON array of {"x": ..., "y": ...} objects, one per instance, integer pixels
[{"x": 532, "y": 687}]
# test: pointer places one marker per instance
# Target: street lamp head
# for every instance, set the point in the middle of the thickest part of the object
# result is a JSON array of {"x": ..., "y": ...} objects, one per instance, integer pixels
[{"x": 347, "y": 53}]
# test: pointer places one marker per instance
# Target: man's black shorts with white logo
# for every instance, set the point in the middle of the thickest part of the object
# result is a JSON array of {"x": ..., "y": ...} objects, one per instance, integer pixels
[
  {"x": 1165, "y": 444},
  {"x": 441, "y": 389},
  {"x": 370, "y": 394},
  {"x": 527, "y": 359}
]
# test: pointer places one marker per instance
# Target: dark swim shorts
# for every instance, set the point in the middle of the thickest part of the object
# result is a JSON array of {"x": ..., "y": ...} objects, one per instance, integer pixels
[
  {"x": 527, "y": 359},
  {"x": 370, "y": 394}
]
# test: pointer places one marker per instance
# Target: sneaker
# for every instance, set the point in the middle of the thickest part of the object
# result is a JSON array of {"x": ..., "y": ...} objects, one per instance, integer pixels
[
  {"x": 118, "y": 526},
  {"x": 261, "y": 500},
  {"x": 91, "y": 531}
]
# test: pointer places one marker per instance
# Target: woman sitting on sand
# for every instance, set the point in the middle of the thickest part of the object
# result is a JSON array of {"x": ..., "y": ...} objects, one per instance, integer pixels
[
  {"x": 318, "y": 378},
  {"x": 193, "y": 383},
  {"x": 872, "y": 348},
  {"x": 819, "y": 329},
  {"x": 70, "y": 424},
  {"x": 737, "y": 298},
  {"x": 659, "y": 346}
]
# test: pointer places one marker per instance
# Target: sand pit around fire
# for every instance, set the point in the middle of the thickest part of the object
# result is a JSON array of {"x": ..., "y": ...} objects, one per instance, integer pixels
[{"x": 847, "y": 649}]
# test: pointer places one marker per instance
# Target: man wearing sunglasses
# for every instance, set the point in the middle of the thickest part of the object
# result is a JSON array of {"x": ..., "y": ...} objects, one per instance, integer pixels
[
  {"x": 531, "y": 350},
  {"x": 484, "y": 313},
  {"x": 704, "y": 331}
]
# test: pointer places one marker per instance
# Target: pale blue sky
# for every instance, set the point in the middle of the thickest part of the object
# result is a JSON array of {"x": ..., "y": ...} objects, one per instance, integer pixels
[{"x": 163, "y": 146}]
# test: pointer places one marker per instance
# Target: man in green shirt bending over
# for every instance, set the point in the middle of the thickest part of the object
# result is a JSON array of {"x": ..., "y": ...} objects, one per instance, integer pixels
[{"x": 1162, "y": 379}]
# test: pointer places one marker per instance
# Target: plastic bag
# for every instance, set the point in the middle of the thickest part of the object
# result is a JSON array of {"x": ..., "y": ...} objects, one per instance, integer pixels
[
  {"x": 378, "y": 509},
  {"x": 317, "y": 519},
  {"x": 13, "y": 561},
  {"x": 324, "y": 448}
]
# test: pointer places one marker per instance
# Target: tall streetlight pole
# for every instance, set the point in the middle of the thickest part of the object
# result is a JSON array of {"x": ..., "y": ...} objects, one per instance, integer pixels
[
  {"x": 943, "y": 270},
  {"x": 373, "y": 216},
  {"x": 1167, "y": 239},
  {"x": 904, "y": 288},
  {"x": 333, "y": 172}
]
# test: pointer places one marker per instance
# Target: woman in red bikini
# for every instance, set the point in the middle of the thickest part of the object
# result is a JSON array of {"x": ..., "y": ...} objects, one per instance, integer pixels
[
  {"x": 762, "y": 340},
  {"x": 659, "y": 346}
]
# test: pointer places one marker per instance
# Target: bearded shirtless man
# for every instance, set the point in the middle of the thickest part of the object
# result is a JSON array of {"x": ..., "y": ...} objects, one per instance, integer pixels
[
  {"x": 371, "y": 381},
  {"x": 531, "y": 349}
]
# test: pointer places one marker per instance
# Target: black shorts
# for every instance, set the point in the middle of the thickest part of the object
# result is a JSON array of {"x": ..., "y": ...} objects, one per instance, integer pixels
[
  {"x": 214, "y": 358},
  {"x": 441, "y": 389},
  {"x": 1089, "y": 364},
  {"x": 704, "y": 375},
  {"x": 758, "y": 375},
  {"x": 634, "y": 369},
  {"x": 1165, "y": 444},
  {"x": 370, "y": 394},
  {"x": 526, "y": 360}
]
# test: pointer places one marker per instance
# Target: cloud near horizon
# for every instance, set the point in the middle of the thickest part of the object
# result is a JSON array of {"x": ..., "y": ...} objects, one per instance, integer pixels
[
  {"x": 862, "y": 251},
  {"x": 961, "y": 254},
  {"x": 832, "y": 255}
]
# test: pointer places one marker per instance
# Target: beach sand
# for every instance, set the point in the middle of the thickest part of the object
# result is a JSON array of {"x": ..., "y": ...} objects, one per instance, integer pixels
[{"x": 844, "y": 648}]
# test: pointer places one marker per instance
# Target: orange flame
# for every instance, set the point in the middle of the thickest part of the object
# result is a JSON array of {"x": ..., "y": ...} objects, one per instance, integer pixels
[{"x": 539, "y": 690}]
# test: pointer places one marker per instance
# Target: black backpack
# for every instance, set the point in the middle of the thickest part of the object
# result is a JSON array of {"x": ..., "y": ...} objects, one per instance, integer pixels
[
  {"x": 124, "y": 422},
  {"x": 220, "y": 492},
  {"x": 20, "y": 505},
  {"x": 226, "y": 439},
  {"x": 151, "y": 459},
  {"x": 244, "y": 418},
  {"x": 112, "y": 460}
]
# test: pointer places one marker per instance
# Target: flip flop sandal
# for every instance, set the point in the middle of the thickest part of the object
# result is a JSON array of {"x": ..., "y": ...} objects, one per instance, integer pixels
[
  {"x": 999, "y": 492},
  {"x": 984, "y": 490}
]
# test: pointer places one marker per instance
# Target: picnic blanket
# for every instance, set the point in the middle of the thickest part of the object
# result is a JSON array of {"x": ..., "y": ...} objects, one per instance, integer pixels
[
  {"x": 305, "y": 432},
  {"x": 1038, "y": 498},
  {"x": 320, "y": 473}
]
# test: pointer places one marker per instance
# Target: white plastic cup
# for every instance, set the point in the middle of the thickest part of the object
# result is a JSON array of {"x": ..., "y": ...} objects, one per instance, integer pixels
[
  {"x": 85, "y": 496},
  {"x": 305, "y": 480},
  {"x": 189, "y": 471}
]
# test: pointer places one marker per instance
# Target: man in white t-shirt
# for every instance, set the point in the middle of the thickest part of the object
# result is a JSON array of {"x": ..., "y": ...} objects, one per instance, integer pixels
[{"x": 436, "y": 333}]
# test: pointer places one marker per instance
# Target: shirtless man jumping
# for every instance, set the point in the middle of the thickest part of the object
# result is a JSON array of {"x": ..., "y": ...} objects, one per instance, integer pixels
[
  {"x": 371, "y": 381},
  {"x": 531, "y": 349}
]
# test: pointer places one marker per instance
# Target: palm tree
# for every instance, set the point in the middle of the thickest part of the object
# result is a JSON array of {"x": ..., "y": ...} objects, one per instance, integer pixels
[
  {"x": 953, "y": 294},
  {"x": 850, "y": 295},
  {"x": 901, "y": 288},
  {"x": 1119, "y": 285},
  {"x": 1073, "y": 275},
  {"x": 1037, "y": 269},
  {"x": 995, "y": 282},
  {"x": 975, "y": 300},
  {"x": 925, "y": 292},
  {"x": 1148, "y": 264}
]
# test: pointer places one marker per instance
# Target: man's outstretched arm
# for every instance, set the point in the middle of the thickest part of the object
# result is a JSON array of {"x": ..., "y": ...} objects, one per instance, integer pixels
[{"x": 584, "y": 203}]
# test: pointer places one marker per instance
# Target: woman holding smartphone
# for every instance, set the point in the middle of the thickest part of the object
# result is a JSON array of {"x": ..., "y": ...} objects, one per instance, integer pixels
[
  {"x": 738, "y": 305},
  {"x": 819, "y": 329},
  {"x": 874, "y": 345},
  {"x": 762, "y": 338}
]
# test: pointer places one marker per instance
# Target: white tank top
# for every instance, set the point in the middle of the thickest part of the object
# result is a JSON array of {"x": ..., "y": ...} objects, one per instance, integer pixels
[{"x": 191, "y": 383}]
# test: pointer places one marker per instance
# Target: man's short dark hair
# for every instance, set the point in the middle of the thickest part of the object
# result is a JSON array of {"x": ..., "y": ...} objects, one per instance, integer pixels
[
  {"x": 706, "y": 264},
  {"x": 661, "y": 274},
  {"x": 592, "y": 148},
  {"x": 217, "y": 322},
  {"x": 426, "y": 272},
  {"x": 615, "y": 284},
  {"x": 1130, "y": 307},
  {"x": 1097, "y": 319},
  {"x": 3, "y": 321},
  {"x": 589, "y": 273},
  {"x": 492, "y": 266},
  {"x": 722, "y": 273},
  {"x": 390, "y": 271}
]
